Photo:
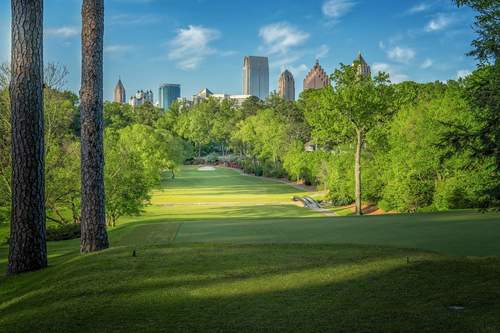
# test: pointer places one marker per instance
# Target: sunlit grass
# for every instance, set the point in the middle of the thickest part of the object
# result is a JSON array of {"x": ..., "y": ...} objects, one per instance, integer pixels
[{"x": 218, "y": 263}]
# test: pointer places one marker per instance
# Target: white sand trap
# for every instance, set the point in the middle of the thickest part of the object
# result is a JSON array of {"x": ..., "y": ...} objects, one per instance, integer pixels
[{"x": 206, "y": 168}]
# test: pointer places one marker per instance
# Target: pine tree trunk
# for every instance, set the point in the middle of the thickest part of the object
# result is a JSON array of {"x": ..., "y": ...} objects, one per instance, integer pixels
[
  {"x": 357, "y": 171},
  {"x": 93, "y": 221},
  {"x": 28, "y": 250}
]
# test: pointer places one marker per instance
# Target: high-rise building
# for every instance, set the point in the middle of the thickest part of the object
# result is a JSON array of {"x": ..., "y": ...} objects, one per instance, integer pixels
[
  {"x": 256, "y": 76},
  {"x": 168, "y": 93},
  {"x": 141, "y": 97},
  {"x": 316, "y": 78},
  {"x": 363, "y": 67},
  {"x": 119, "y": 96},
  {"x": 286, "y": 86}
]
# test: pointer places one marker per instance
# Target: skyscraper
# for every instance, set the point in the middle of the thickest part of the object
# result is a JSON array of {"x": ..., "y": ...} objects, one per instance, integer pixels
[
  {"x": 256, "y": 76},
  {"x": 363, "y": 68},
  {"x": 168, "y": 93},
  {"x": 316, "y": 78},
  {"x": 286, "y": 86},
  {"x": 119, "y": 96}
]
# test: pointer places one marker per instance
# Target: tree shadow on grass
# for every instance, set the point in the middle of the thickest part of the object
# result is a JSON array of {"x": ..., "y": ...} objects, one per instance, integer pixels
[{"x": 267, "y": 288}]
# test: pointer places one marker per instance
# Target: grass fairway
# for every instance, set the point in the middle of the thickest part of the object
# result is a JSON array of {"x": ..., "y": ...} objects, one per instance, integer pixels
[{"x": 221, "y": 252}]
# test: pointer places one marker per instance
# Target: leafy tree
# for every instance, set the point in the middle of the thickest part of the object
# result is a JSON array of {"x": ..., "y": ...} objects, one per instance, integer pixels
[
  {"x": 117, "y": 115},
  {"x": 264, "y": 138},
  {"x": 481, "y": 90},
  {"x": 5, "y": 157},
  {"x": 421, "y": 172},
  {"x": 147, "y": 114},
  {"x": 126, "y": 181},
  {"x": 62, "y": 169},
  {"x": 486, "y": 47},
  {"x": 481, "y": 137},
  {"x": 195, "y": 125},
  {"x": 349, "y": 110}
]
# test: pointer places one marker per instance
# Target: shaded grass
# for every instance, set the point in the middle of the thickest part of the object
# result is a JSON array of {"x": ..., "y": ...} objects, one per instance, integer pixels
[
  {"x": 263, "y": 266},
  {"x": 249, "y": 288}
]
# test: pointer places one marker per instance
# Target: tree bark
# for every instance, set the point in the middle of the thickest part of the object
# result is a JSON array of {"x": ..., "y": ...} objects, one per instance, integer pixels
[
  {"x": 357, "y": 171},
  {"x": 28, "y": 249},
  {"x": 93, "y": 220}
]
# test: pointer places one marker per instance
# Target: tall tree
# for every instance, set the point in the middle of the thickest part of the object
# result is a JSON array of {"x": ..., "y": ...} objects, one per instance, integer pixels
[
  {"x": 355, "y": 105},
  {"x": 481, "y": 90},
  {"x": 28, "y": 250},
  {"x": 93, "y": 217},
  {"x": 486, "y": 47}
]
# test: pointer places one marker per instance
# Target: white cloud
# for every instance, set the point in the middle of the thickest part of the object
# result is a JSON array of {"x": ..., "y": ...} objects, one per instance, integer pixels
[
  {"x": 427, "y": 63},
  {"x": 117, "y": 48},
  {"x": 335, "y": 9},
  {"x": 421, "y": 7},
  {"x": 228, "y": 53},
  {"x": 322, "y": 51},
  {"x": 401, "y": 54},
  {"x": 64, "y": 32},
  {"x": 279, "y": 38},
  {"x": 282, "y": 62},
  {"x": 127, "y": 19},
  {"x": 463, "y": 73},
  {"x": 440, "y": 22},
  {"x": 192, "y": 45},
  {"x": 298, "y": 70},
  {"x": 394, "y": 74}
]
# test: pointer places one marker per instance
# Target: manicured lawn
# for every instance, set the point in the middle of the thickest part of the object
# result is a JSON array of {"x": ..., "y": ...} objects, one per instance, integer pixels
[{"x": 220, "y": 252}]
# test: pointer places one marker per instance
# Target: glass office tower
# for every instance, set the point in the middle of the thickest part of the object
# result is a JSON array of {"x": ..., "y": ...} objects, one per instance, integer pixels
[
  {"x": 168, "y": 93},
  {"x": 256, "y": 76}
]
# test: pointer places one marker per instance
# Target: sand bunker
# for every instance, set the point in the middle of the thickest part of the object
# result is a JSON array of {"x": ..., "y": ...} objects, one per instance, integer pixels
[{"x": 206, "y": 168}]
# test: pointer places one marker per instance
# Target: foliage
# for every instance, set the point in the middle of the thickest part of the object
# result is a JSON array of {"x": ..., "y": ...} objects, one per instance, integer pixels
[
  {"x": 348, "y": 111},
  {"x": 126, "y": 180},
  {"x": 486, "y": 46},
  {"x": 60, "y": 232}
]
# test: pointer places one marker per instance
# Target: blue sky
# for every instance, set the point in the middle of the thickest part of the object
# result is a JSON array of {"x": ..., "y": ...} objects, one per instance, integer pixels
[{"x": 201, "y": 43}]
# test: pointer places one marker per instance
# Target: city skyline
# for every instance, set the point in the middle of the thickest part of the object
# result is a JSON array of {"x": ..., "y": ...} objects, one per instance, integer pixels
[{"x": 151, "y": 42}]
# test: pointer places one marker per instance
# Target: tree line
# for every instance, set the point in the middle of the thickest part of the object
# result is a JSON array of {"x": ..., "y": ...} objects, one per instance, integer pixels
[
  {"x": 74, "y": 159},
  {"x": 52, "y": 144}
]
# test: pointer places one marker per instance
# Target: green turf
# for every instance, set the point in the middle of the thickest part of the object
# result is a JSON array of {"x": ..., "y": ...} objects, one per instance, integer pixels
[{"x": 221, "y": 252}]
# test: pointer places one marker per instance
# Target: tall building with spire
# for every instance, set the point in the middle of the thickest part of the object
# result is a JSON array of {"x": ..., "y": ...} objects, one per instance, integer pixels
[
  {"x": 120, "y": 96},
  {"x": 363, "y": 67},
  {"x": 316, "y": 78},
  {"x": 256, "y": 76},
  {"x": 286, "y": 86}
]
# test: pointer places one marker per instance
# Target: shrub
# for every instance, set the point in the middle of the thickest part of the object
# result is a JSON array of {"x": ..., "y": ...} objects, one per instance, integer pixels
[
  {"x": 212, "y": 158},
  {"x": 384, "y": 205},
  {"x": 63, "y": 232}
]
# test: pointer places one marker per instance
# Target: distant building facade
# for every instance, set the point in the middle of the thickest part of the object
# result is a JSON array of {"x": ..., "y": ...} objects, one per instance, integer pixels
[
  {"x": 120, "y": 96},
  {"x": 363, "y": 68},
  {"x": 316, "y": 78},
  {"x": 141, "y": 97},
  {"x": 205, "y": 94},
  {"x": 256, "y": 76},
  {"x": 168, "y": 93},
  {"x": 286, "y": 86}
]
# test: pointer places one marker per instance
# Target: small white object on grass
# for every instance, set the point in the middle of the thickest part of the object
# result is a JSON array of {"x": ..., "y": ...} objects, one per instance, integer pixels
[
  {"x": 206, "y": 168},
  {"x": 456, "y": 307}
]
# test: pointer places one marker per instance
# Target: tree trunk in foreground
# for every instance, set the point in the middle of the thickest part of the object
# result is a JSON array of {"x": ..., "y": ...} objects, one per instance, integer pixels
[
  {"x": 93, "y": 220},
  {"x": 27, "y": 250},
  {"x": 357, "y": 172}
]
